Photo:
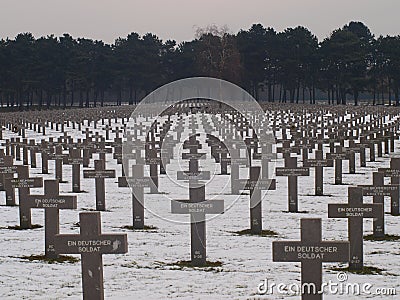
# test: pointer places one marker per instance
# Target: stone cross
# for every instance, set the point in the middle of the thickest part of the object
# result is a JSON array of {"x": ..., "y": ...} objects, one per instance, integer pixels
[
  {"x": 91, "y": 244},
  {"x": 311, "y": 251},
  {"x": 394, "y": 173},
  {"x": 292, "y": 172},
  {"x": 338, "y": 156},
  {"x": 153, "y": 160},
  {"x": 378, "y": 190},
  {"x": 23, "y": 183},
  {"x": 318, "y": 163},
  {"x": 59, "y": 158},
  {"x": 51, "y": 202},
  {"x": 256, "y": 184},
  {"x": 33, "y": 150},
  {"x": 99, "y": 174},
  {"x": 197, "y": 207},
  {"x": 235, "y": 162},
  {"x": 7, "y": 170},
  {"x": 137, "y": 183},
  {"x": 75, "y": 160},
  {"x": 355, "y": 211},
  {"x": 44, "y": 150}
]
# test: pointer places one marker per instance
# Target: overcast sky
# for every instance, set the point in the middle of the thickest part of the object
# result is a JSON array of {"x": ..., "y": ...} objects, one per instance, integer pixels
[{"x": 177, "y": 19}]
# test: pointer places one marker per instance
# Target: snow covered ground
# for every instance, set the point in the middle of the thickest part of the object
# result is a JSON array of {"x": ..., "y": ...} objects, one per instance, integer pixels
[{"x": 144, "y": 273}]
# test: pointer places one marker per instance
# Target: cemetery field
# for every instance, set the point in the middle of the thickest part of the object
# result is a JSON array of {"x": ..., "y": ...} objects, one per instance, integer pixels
[{"x": 157, "y": 264}]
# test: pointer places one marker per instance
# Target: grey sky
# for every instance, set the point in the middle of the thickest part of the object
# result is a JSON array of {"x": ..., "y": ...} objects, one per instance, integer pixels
[{"x": 176, "y": 19}]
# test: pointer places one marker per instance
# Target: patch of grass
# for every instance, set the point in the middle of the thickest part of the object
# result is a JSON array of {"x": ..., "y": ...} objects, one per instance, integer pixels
[
  {"x": 93, "y": 209},
  {"x": 364, "y": 271},
  {"x": 60, "y": 259},
  {"x": 179, "y": 265},
  {"x": 130, "y": 227},
  {"x": 263, "y": 232},
  {"x": 313, "y": 195},
  {"x": 295, "y": 212},
  {"x": 17, "y": 227},
  {"x": 210, "y": 266},
  {"x": 378, "y": 252},
  {"x": 387, "y": 237}
]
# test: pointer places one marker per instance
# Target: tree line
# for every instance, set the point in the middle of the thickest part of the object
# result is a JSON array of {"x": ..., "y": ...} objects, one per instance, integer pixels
[{"x": 289, "y": 66}]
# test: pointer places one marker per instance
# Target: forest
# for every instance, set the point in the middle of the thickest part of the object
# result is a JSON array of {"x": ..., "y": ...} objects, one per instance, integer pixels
[{"x": 349, "y": 66}]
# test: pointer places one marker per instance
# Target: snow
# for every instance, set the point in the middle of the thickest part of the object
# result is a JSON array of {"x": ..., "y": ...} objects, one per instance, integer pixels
[{"x": 142, "y": 273}]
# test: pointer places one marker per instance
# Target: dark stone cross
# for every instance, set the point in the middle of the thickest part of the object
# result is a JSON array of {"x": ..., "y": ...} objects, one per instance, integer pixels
[
  {"x": 51, "y": 202},
  {"x": 351, "y": 156},
  {"x": 338, "y": 156},
  {"x": 223, "y": 155},
  {"x": 99, "y": 174},
  {"x": 75, "y": 160},
  {"x": 23, "y": 183},
  {"x": 87, "y": 133},
  {"x": 236, "y": 161},
  {"x": 266, "y": 156},
  {"x": 59, "y": 158},
  {"x": 318, "y": 163},
  {"x": 32, "y": 151},
  {"x": 193, "y": 156},
  {"x": 378, "y": 190},
  {"x": 44, "y": 150},
  {"x": 87, "y": 147},
  {"x": 355, "y": 211},
  {"x": 101, "y": 149},
  {"x": 311, "y": 251},
  {"x": 394, "y": 173},
  {"x": 286, "y": 149},
  {"x": 7, "y": 170},
  {"x": 197, "y": 207},
  {"x": 256, "y": 184},
  {"x": 153, "y": 161},
  {"x": 292, "y": 172},
  {"x": 91, "y": 244},
  {"x": 25, "y": 147},
  {"x": 137, "y": 183}
]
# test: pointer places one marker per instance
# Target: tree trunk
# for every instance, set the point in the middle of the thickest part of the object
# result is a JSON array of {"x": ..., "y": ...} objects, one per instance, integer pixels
[
  {"x": 72, "y": 97},
  {"x": 95, "y": 97},
  {"x": 356, "y": 97},
  {"x": 87, "y": 97},
  {"x": 269, "y": 92},
  {"x": 329, "y": 97},
  {"x": 130, "y": 95},
  {"x": 338, "y": 100},
  {"x": 313, "y": 93},
  {"x": 374, "y": 92}
]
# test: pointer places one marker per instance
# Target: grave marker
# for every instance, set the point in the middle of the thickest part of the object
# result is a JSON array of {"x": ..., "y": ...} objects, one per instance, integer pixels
[
  {"x": 51, "y": 202},
  {"x": 311, "y": 251},
  {"x": 292, "y": 172},
  {"x": 256, "y": 184},
  {"x": 197, "y": 207},
  {"x": 99, "y": 174},
  {"x": 355, "y": 211},
  {"x": 318, "y": 163},
  {"x": 91, "y": 244}
]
